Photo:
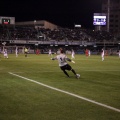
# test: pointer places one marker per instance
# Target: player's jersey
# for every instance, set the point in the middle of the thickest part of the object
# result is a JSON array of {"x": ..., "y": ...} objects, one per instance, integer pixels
[
  {"x": 73, "y": 52},
  {"x": 89, "y": 52},
  {"x": 61, "y": 59},
  {"x": 16, "y": 51},
  {"x": 26, "y": 50},
  {"x": 50, "y": 51},
  {"x": 103, "y": 53},
  {"x": 5, "y": 52}
]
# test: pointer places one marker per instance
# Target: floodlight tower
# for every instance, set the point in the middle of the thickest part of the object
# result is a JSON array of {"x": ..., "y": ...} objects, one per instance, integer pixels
[{"x": 108, "y": 14}]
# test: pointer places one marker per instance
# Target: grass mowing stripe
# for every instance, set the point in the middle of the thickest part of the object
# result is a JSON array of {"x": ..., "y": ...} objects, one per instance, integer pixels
[{"x": 74, "y": 95}]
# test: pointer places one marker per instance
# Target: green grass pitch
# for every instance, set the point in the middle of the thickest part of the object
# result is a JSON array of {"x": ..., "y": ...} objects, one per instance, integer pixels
[{"x": 24, "y": 100}]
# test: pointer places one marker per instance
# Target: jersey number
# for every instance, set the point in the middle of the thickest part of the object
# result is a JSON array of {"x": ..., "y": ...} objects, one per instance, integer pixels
[{"x": 62, "y": 59}]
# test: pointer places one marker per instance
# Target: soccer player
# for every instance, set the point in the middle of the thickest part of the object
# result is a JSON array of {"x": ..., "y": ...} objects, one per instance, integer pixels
[
  {"x": 26, "y": 52},
  {"x": 49, "y": 52},
  {"x": 86, "y": 52},
  {"x": 72, "y": 54},
  {"x": 16, "y": 52},
  {"x": 89, "y": 53},
  {"x": 62, "y": 60},
  {"x": 0, "y": 52},
  {"x": 102, "y": 54},
  {"x": 119, "y": 53},
  {"x": 5, "y": 53},
  {"x": 37, "y": 52}
]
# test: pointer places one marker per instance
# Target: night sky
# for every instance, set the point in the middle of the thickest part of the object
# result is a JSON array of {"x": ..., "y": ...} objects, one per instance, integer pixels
[{"x": 64, "y": 13}]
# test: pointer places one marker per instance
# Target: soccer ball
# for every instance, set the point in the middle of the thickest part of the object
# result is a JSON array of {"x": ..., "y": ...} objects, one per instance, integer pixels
[{"x": 78, "y": 75}]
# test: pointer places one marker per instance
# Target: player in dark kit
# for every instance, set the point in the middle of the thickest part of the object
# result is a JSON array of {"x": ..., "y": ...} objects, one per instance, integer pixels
[{"x": 62, "y": 60}]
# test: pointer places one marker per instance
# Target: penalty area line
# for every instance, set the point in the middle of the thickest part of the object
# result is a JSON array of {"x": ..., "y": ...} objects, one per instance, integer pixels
[{"x": 71, "y": 94}]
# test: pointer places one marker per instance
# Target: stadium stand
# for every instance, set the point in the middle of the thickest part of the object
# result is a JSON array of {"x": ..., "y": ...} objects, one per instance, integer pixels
[{"x": 76, "y": 38}]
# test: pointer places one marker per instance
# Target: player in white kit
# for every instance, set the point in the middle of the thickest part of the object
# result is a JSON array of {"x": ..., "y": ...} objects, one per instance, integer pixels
[
  {"x": 5, "y": 53},
  {"x": 102, "y": 54},
  {"x": 72, "y": 54},
  {"x": 50, "y": 52},
  {"x": 62, "y": 60},
  {"x": 89, "y": 52},
  {"x": 16, "y": 52},
  {"x": 119, "y": 53}
]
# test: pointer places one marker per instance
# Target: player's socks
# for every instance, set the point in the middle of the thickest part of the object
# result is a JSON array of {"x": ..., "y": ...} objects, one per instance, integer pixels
[
  {"x": 73, "y": 71},
  {"x": 66, "y": 73}
]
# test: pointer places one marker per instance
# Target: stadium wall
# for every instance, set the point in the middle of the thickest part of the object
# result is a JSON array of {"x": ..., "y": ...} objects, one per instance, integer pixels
[{"x": 38, "y": 24}]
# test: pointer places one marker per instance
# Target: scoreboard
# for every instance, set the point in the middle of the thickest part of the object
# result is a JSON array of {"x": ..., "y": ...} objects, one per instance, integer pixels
[
  {"x": 99, "y": 19},
  {"x": 7, "y": 20}
]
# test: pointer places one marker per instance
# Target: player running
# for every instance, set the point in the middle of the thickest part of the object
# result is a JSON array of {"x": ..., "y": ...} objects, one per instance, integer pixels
[{"x": 62, "y": 58}]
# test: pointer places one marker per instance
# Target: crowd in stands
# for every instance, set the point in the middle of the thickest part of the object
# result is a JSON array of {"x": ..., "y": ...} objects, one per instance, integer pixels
[
  {"x": 101, "y": 35},
  {"x": 62, "y": 34}
]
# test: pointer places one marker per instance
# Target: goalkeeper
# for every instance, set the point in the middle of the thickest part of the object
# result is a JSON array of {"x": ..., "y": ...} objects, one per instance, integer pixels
[{"x": 62, "y": 60}]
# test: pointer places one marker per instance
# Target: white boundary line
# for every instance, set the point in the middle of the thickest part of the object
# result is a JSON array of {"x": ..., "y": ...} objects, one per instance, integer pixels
[{"x": 74, "y": 95}]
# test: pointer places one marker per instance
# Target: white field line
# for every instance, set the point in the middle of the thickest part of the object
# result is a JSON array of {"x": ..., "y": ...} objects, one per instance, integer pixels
[
  {"x": 38, "y": 72},
  {"x": 71, "y": 94},
  {"x": 76, "y": 69}
]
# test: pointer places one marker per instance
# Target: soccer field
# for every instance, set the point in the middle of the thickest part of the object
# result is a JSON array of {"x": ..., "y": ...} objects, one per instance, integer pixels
[{"x": 35, "y": 88}]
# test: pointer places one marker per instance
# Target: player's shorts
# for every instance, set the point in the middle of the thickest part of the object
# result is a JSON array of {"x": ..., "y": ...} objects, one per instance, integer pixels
[
  {"x": 66, "y": 67},
  {"x": 5, "y": 55}
]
